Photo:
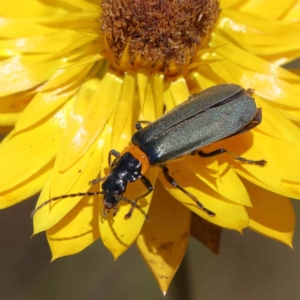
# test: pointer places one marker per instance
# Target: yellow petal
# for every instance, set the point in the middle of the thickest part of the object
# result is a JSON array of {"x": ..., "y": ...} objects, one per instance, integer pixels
[
  {"x": 9, "y": 119},
  {"x": 151, "y": 96},
  {"x": 259, "y": 36},
  {"x": 270, "y": 176},
  {"x": 227, "y": 183},
  {"x": 117, "y": 233},
  {"x": 74, "y": 180},
  {"x": 164, "y": 239},
  {"x": 31, "y": 150},
  {"x": 32, "y": 9},
  {"x": 231, "y": 3},
  {"x": 286, "y": 168},
  {"x": 12, "y": 106},
  {"x": 16, "y": 28},
  {"x": 277, "y": 125},
  {"x": 149, "y": 104},
  {"x": 248, "y": 61},
  {"x": 77, "y": 230},
  {"x": 268, "y": 10},
  {"x": 207, "y": 170},
  {"x": 271, "y": 215},
  {"x": 93, "y": 105},
  {"x": 203, "y": 80},
  {"x": 19, "y": 74},
  {"x": 52, "y": 96},
  {"x": 52, "y": 42},
  {"x": 228, "y": 214},
  {"x": 35, "y": 9},
  {"x": 122, "y": 125},
  {"x": 293, "y": 14},
  {"x": 26, "y": 189},
  {"x": 168, "y": 99},
  {"x": 179, "y": 90},
  {"x": 230, "y": 186},
  {"x": 142, "y": 82},
  {"x": 157, "y": 84},
  {"x": 79, "y": 174}
]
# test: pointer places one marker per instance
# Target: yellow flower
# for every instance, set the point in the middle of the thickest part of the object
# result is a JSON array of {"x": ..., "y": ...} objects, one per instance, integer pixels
[{"x": 76, "y": 77}]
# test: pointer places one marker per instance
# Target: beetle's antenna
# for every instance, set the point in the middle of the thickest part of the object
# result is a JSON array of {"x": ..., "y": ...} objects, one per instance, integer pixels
[
  {"x": 62, "y": 197},
  {"x": 133, "y": 206}
]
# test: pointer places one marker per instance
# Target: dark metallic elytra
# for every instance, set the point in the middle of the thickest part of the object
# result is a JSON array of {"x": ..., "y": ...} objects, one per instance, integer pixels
[
  {"x": 204, "y": 118},
  {"x": 217, "y": 113}
]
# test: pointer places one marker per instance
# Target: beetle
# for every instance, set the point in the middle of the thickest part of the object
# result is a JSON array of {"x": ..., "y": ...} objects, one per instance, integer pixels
[{"x": 215, "y": 114}]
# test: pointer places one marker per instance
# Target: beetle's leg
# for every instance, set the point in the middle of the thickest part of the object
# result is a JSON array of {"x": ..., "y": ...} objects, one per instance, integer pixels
[
  {"x": 111, "y": 152},
  {"x": 116, "y": 208},
  {"x": 138, "y": 125},
  {"x": 149, "y": 187},
  {"x": 261, "y": 162},
  {"x": 172, "y": 181},
  {"x": 96, "y": 180}
]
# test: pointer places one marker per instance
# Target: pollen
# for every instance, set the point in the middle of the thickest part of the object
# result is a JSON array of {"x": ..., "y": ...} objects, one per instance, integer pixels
[{"x": 160, "y": 35}]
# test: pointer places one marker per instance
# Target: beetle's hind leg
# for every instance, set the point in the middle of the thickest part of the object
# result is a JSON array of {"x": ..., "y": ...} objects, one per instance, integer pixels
[
  {"x": 261, "y": 162},
  {"x": 172, "y": 181}
]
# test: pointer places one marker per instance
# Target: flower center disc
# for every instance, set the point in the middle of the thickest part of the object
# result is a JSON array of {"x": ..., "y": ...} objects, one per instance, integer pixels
[{"x": 160, "y": 35}]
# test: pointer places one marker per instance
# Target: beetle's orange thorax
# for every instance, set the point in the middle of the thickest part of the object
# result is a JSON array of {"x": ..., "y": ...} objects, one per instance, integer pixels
[{"x": 139, "y": 155}]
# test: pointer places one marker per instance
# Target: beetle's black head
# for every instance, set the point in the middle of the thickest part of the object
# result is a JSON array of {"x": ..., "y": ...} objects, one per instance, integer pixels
[
  {"x": 124, "y": 169},
  {"x": 113, "y": 188}
]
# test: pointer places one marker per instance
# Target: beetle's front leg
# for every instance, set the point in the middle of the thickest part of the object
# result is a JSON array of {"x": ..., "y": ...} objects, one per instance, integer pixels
[
  {"x": 149, "y": 187},
  {"x": 113, "y": 152}
]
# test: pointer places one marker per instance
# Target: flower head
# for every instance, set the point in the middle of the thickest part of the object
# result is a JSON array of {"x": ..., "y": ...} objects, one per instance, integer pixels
[
  {"x": 75, "y": 79},
  {"x": 156, "y": 36}
]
